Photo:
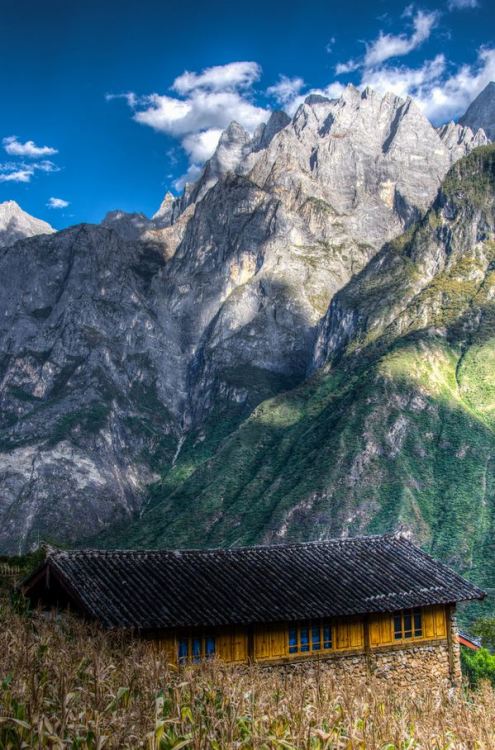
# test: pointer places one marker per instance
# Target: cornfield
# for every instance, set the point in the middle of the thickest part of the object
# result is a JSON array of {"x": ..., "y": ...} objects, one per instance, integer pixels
[{"x": 64, "y": 684}]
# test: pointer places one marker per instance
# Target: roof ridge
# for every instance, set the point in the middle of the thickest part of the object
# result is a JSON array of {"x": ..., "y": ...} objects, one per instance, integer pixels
[{"x": 398, "y": 536}]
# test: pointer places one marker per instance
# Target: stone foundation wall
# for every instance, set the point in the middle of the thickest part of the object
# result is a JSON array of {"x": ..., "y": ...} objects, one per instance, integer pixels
[
  {"x": 408, "y": 665},
  {"x": 435, "y": 663}
]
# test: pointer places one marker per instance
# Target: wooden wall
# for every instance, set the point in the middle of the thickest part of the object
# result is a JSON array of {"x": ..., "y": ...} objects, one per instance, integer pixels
[{"x": 269, "y": 643}]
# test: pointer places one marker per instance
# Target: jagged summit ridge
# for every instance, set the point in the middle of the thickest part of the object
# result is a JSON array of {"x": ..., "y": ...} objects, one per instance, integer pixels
[
  {"x": 360, "y": 152},
  {"x": 333, "y": 146},
  {"x": 16, "y": 224}
]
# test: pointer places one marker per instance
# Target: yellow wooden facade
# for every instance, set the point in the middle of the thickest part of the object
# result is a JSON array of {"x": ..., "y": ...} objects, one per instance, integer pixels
[{"x": 270, "y": 643}]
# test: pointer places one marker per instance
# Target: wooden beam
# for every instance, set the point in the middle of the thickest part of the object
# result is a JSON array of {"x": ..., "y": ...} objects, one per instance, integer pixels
[{"x": 450, "y": 643}]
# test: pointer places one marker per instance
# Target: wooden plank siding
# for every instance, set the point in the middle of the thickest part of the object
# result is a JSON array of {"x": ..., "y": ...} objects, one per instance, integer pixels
[{"x": 270, "y": 643}]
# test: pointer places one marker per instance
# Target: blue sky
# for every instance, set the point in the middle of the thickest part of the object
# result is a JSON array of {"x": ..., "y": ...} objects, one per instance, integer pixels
[{"x": 109, "y": 104}]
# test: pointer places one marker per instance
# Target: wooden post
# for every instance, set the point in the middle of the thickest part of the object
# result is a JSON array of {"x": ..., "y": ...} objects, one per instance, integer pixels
[
  {"x": 250, "y": 644},
  {"x": 367, "y": 642}
]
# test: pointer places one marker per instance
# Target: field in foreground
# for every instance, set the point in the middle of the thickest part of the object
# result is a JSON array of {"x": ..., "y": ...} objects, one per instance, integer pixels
[{"x": 64, "y": 685}]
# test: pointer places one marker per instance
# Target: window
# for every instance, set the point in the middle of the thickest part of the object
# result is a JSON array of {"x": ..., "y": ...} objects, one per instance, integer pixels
[
  {"x": 195, "y": 648},
  {"x": 310, "y": 637},
  {"x": 408, "y": 624}
]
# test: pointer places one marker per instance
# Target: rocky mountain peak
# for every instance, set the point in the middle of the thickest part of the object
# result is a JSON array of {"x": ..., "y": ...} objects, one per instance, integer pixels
[
  {"x": 167, "y": 212},
  {"x": 278, "y": 120},
  {"x": 481, "y": 112},
  {"x": 16, "y": 224},
  {"x": 230, "y": 149},
  {"x": 460, "y": 140}
]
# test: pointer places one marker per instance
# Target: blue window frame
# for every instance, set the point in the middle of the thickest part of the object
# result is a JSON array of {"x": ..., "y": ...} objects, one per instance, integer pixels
[
  {"x": 293, "y": 648},
  {"x": 327, "y": 637},
  {"x": 195, "y": 648},
  {"x": 304, "y": 638},
  {"x": 315, "y": 638},
  {"x": 309, "y": 637},
  {"x": 183, "y": 650}
]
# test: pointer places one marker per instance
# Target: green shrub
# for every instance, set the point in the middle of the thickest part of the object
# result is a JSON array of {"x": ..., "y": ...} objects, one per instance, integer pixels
[
  {"x": 484, "y": 628},
  {"x": 478, "y": 666}
]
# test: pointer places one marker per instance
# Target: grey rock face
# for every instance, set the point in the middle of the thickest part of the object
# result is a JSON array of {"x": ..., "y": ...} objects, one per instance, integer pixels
[
  {"x": 81, "y": 413},
  {"x": 481, "y": 112},
  {"x": 125, "y": 338},
  {"x": 460, "y": 140},
  {"x": 15, "y": 224},
  {"x": 375, "y": 161},
  {"x": 132, "y": 227},
  {"x": 384, "y": 300}
]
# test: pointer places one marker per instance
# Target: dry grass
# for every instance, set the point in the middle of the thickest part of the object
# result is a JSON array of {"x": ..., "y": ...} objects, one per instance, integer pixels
[{"x": 69, "y": 686}]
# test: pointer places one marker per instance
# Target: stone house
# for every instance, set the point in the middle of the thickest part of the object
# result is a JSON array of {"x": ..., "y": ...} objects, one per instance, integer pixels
[{"x": 369, "y": 605}]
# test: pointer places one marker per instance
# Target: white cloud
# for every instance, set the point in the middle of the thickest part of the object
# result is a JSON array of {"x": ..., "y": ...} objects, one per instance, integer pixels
[
  {"x": 192, "y": 174},
  {"x": 390, "y": 45},
  {"x": 441, "y": 90},
  {"x": 442, "y": 96},
  {"x": 204, "y": 105},
  {"x": 403, "y": 80},
  {"x": 57, "y": 203},
  {"x": 16, "y": 175},
  {"x": 386, "y": 46},
  {"x": 330, "y": 44},
  {"x": 462, "y": 4},
  {"x": 332, "y": 91},
  {"x": 201, "y": 110},
  {"x": 15, "y": 148},
  {"x": 200, "y": 146},
  {"x": 286, "y": 90},
  {"x": 347, "y": 67},
  {"x": 21, "y": 171},
  {"x": 129, "y": 96},
  {"x": 46, "y": 166},
  {"x": 236, "y": 75}
]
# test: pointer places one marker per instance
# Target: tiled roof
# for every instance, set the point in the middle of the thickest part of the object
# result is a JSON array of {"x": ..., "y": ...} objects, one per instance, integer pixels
[{"x": 161, "y": 589}]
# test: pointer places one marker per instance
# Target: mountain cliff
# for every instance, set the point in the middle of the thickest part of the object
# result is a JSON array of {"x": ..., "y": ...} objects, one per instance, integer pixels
[{"x": 158, "y": 369}]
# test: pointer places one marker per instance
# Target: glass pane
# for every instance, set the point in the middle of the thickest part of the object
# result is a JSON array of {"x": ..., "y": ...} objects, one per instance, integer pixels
[
  {"x": 305, "y": 638},
  {"x": 418, "y": 625},
  {"x": 407, "y": 624},
  {"x": 315, "y": 638},
  {"x": 182, "y": 650},
  {"x": 327, "y": 636},
  {"x": 397, "y": 627},
  {"x": 196, "y": 649},
  {"x": 209, "y": 646},
  {"x": 292, "y": 640}
]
